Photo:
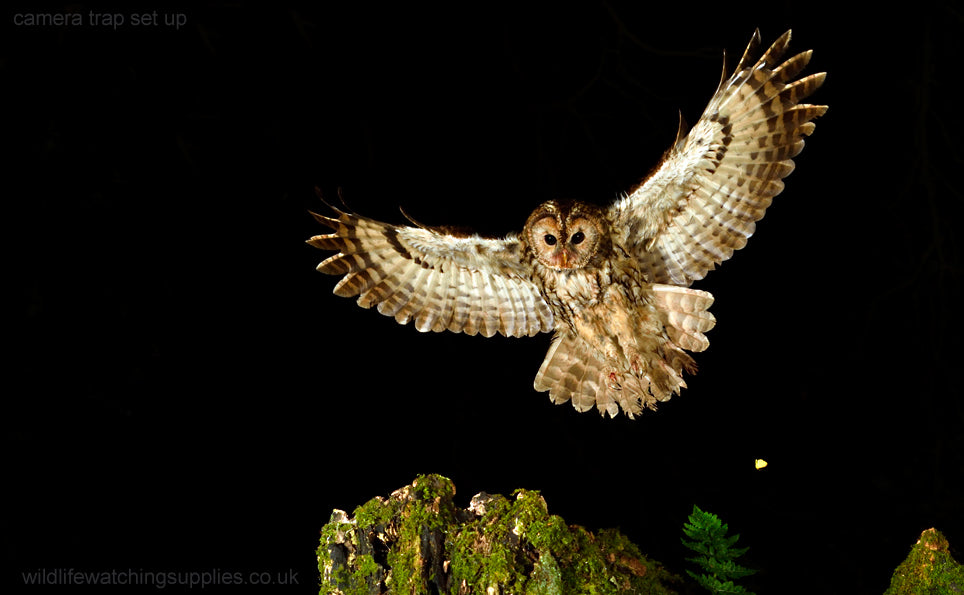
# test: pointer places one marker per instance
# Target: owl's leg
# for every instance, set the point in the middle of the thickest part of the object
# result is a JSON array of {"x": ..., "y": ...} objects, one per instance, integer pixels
[
  {"x": 637, "y": 363},
  {"x": 605, "y": 344},
  {"x": 613, "y": 354}
]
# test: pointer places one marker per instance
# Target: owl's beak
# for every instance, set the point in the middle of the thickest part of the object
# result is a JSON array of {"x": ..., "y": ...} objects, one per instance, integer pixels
[{"x": 561, "y": 259}]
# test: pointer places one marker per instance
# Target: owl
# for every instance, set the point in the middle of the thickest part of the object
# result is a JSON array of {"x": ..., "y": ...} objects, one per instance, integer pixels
[{"x": 611, "y": 284}]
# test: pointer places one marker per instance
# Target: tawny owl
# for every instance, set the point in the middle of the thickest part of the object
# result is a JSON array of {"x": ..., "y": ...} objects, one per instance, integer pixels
[{"x": 612, "y": 284}]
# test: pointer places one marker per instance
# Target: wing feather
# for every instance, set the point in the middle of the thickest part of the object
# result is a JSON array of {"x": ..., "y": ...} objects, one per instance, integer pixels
[
  {"x": 702, "y": 202},
  {"x": 436, "y": 280}
]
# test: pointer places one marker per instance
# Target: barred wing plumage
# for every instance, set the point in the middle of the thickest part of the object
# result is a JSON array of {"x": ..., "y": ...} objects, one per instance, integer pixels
[
  {"x": 701, "y": 203},
  {"x": 439, "y": 281}
]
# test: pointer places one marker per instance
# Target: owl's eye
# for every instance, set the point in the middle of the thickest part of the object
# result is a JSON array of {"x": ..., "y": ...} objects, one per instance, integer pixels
[
  {"x": 550, "y": 239},
  {"x": 578, "y": 237}
]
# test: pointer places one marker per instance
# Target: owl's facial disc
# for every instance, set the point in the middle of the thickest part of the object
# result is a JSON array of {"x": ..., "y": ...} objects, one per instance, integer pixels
[
  {"x": 564, "y": 235},
  {"x": 554, "y": 246}
]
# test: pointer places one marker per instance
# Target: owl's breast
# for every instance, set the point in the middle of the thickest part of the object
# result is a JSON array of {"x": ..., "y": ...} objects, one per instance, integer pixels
[
  {"x": 594, "y": 293},
  {"x": 574, "y": 288}
]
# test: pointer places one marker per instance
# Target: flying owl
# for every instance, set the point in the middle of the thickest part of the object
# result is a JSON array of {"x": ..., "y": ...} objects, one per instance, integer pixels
[{"x": 611, "y": 284}]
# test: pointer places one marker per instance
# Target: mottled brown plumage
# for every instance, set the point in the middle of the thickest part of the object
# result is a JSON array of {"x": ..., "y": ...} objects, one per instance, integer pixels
[{"x": 613, "y": 284}]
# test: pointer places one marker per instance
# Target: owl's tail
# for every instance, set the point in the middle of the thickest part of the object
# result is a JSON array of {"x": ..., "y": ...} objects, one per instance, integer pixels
[{"x": 574, "y": 370}]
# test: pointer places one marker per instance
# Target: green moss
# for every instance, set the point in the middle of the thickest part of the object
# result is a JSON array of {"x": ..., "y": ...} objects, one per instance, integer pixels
[
  {"x": 556, "y": 558},
  {"x": 478, "y": 552},
  {"x": 550, "y": 533},
  {"x": 546, "y": 577},
  {"x": 367, "y": 566},
  {"x": 377, "y": 512},
  {"x": 421, "y": 521},
  {"x": 416, "y": 541},
  {"x": 433, "y": 488},
  {"x": 361, "y": 581},
  {"x": 928, "y": 569}
]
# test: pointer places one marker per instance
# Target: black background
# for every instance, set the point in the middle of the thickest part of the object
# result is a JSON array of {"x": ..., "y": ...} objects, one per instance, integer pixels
[{"x": 185, "y": 393}]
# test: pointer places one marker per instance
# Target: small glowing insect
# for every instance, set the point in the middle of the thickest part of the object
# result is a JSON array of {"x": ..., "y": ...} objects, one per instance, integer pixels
[{"x": 759, "y": 463}]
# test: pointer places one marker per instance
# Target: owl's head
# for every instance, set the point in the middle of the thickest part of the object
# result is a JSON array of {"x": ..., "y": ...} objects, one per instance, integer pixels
[{"x": 566, "y": 235}]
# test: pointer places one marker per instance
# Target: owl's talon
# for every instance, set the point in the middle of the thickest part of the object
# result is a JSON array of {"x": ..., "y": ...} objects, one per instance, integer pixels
[{"x": 613, "y": 382}]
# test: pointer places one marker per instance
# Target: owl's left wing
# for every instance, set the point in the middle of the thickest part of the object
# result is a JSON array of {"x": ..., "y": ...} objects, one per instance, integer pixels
[
  {"x": 701, "y": 203},
  {"x": 439, "y": 281}
]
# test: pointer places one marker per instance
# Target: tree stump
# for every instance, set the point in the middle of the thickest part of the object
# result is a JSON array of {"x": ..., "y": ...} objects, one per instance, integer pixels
[{"x": 417, "y": 541}]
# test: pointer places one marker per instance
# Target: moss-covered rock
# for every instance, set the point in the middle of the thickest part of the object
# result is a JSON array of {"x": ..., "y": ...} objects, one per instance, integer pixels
[
  {"x": 417, "y": 541},
  {"x": 929, "y": 569}
]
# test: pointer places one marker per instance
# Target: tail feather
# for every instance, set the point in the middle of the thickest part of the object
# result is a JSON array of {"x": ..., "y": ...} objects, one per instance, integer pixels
[
  {"x": 574, "y": 371},
  {"x": 570, "y": 372}
]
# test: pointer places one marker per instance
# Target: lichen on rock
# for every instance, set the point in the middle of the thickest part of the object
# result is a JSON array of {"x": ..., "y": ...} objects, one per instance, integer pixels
[{"x": 418, "y": 541}]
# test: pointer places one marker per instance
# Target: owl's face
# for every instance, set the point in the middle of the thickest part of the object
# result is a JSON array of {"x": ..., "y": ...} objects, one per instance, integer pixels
[{"x": 565, "y": 235}]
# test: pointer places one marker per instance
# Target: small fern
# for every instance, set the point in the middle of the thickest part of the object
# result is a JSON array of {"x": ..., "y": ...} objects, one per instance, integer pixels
[{"x": 716, "y": 554}]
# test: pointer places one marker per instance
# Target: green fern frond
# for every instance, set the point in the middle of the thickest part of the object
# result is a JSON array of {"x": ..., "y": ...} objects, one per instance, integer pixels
[{"x": 716, "y": 554}]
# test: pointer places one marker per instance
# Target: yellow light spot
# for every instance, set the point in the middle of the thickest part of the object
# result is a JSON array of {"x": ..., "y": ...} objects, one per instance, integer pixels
[{"x": 760, "y": 463}]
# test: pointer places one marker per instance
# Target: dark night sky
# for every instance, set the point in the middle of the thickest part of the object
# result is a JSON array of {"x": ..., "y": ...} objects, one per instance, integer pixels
[{"x": 185, "y": 392}]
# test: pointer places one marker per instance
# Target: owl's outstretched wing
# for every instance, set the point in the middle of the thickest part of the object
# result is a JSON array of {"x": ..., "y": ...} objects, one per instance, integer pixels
[
  {"x": 439, "y": 281},
  {"x": 701, "y": 203}
]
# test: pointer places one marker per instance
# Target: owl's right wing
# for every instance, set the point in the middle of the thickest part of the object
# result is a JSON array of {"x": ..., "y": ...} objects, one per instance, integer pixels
[
  {"x": 704, "y": 199},
  {"x": 440, "y": 281}
]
